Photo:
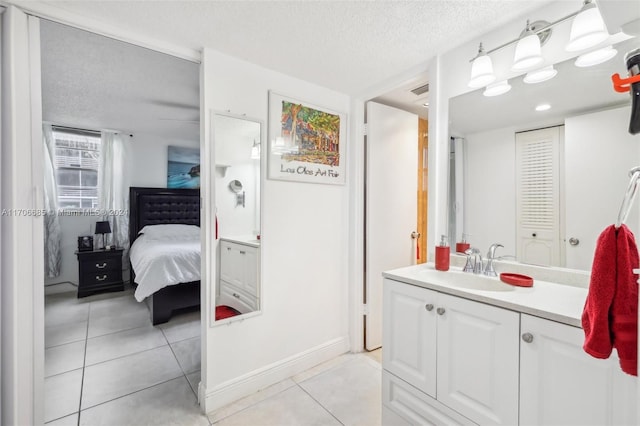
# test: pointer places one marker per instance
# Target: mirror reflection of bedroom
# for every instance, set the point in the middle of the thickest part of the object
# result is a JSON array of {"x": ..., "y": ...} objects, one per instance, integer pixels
[
  {"x": 122, "y": 146},
  {"x": 237, "y": 142}
]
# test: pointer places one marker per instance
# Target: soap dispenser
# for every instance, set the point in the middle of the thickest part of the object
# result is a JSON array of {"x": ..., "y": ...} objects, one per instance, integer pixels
[
  {"x": 463, "y": 245},
  {"x": 442, "y": 255}
]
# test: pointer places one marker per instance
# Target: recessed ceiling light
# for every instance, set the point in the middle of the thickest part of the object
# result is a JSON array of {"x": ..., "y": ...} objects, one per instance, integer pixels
[{"x": 543, "y": 107}]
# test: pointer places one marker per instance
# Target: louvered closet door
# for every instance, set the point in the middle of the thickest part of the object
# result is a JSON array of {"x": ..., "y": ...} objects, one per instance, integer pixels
[{"x": 538, "y": 196}]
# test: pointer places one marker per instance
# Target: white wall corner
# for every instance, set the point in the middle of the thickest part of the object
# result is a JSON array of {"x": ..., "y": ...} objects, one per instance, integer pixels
[{"x": 232, "y": 390}]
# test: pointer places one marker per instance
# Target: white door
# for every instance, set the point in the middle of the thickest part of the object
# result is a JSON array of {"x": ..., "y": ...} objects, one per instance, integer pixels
[
  {"x": 538, "y": 196},
  {"x": 22, "y": 238},
  {"x": 391, "y": 203},
  {"x": 593, "y": 188},
  {"x": 409, "y": 334},
  {"x": 478, "y": 360},
  {"x": 560, "y": 384}
]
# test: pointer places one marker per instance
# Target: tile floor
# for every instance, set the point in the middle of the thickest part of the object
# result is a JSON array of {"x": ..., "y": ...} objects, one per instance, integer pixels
[{"x": 105, "y": 364}]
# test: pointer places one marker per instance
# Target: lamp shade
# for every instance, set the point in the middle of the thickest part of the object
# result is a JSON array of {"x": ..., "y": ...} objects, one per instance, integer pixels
[
  {"x": 587, "y": 29},
  {"x": 528, "y": 52},
  {"x": 596, "y": 57},
  {"x": 103, "y": 228},
  {"x": 497, "y": 89},
  {"x": 481, "y": 70},
  {"x": 540, "y": 75}
]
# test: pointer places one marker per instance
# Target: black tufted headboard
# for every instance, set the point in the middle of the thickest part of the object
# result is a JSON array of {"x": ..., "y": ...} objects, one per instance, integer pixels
[{"x": 155, "y": 206}]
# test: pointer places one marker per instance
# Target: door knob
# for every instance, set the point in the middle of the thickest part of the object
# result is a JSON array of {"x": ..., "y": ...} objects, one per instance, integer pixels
[
  {"x": 415, "y": 235},
  {"x": 440, "y": 311},
  {"x": 574, "y": 241},
  {"x": 428, "y": 307},
  {"x": 527, "y": 337}
]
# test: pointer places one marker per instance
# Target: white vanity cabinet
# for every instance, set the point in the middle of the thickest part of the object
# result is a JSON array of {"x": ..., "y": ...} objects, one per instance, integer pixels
[
  {"x": 449, "y": 360},
  {"x": 561, "y": 385},
  {"x": 462, "y": 355},
  {"x": 239, "y": 276}
]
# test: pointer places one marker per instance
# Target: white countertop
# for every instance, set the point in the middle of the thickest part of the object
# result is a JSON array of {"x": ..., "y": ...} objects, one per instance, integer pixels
[
  {"x": 247, "y": 240},
  {"x": 556, "y": 302}
]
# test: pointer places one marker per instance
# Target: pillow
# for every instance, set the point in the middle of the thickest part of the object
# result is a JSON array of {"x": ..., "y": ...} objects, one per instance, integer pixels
[{"x": 170, "y": 230}]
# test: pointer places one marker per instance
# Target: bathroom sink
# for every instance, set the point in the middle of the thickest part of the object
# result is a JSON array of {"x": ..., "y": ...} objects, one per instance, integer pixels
[{"x": 456, "y": 278}]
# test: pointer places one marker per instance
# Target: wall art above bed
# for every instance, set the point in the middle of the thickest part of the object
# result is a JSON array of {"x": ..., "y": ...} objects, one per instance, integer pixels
[
  {"x": 183, "y": 167},
  {"x": 306, "y": 142}
]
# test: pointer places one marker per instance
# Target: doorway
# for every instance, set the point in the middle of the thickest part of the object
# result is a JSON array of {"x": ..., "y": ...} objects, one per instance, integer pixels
[{"x": 396, "y": 183}]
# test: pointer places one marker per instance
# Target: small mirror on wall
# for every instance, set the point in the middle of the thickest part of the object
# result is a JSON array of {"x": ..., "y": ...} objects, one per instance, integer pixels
[{"x": 238, "y": 200}]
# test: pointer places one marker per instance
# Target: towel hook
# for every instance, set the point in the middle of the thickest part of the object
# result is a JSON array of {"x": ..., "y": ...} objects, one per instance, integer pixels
[{"x": 627, "y": 201}]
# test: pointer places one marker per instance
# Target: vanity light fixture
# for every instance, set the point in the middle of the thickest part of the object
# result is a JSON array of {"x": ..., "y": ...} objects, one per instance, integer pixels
[
  {"x": 540, "y": 75},
  {"x": 528, "y": 50},
  {"x": 587, "y": 28},
  {"x": 481, "y": 70},
  {"x": 497, "y": 89},
  {"x": 543, "y": 107},
  {"x": 596, "y": 57}
]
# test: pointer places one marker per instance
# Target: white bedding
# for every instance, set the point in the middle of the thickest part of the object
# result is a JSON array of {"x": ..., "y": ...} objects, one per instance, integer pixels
[{"x": 163, "y": 260}]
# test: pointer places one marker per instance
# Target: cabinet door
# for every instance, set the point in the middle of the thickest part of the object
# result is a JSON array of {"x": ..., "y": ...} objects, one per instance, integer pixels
[
  {"x": 231, "y": 264},
  {"x": 478, "y": 360},
  {"x": 249, "y": 259},
  {"x": 409, "y": 334},
  {"x": 561, "y": 384}
]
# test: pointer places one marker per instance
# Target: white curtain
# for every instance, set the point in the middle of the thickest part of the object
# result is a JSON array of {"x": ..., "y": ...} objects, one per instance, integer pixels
[
  {"x": 52, "y": 234},
  {"x": 113, "y": 181}
]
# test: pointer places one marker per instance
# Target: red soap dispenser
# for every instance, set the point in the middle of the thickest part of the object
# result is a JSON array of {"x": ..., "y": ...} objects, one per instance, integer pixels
[
  {"x": 463, "y": 245},
  {"x": 442, "y": 255}
]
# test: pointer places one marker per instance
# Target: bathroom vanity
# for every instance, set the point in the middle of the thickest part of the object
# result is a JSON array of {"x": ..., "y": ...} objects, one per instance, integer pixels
[
  {"x": 239, "y": 270},
  {"x": 461, "y": 348}
]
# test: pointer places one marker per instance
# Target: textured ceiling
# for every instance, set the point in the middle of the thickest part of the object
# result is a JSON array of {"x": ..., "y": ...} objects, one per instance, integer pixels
[{"x": 348, "y": 46}]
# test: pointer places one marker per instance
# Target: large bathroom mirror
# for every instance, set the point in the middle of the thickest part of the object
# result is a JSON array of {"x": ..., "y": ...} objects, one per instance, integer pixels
[
  {"x": 544, "y": 184},
  {"x": 237, "y": 142}
]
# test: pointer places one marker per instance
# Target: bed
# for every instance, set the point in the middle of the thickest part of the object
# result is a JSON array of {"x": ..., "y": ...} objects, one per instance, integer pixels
[{"x": 156, "y": 206}]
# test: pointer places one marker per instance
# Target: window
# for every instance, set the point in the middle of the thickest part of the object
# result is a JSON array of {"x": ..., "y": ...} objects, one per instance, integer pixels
[{"x": 77, "y": 160}]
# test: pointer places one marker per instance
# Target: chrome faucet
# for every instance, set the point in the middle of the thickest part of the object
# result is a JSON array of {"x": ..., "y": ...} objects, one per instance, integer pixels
[
  {"x": 476, "y": 266},
  {"x": 491, "y": 255}
]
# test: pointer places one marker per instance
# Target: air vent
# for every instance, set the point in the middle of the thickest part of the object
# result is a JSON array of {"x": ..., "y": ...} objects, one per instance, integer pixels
[{"x": 421, "y": 90}]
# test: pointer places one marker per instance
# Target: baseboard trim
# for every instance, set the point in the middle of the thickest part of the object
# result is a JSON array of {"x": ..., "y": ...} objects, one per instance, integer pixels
[{"x": 232, "y": 390}]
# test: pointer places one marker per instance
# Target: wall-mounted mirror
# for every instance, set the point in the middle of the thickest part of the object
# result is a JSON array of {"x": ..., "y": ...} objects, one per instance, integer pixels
[
  {"x": 237, "y": 183},
  {"x": 544, "y": 183}
]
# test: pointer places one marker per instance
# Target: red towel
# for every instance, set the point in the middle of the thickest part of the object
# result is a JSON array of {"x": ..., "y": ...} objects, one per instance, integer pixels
[{"x": 610, "y": 316}]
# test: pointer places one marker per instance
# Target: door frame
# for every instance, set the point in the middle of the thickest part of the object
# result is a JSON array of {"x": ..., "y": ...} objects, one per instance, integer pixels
[{"x": 23, "y": 386}]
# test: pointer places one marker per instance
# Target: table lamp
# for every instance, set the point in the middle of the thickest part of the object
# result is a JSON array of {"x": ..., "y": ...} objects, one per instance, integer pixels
[{"x": 103, "y": 228}]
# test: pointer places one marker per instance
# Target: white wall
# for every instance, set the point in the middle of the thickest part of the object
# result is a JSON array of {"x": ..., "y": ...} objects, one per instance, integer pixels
[
  {"x": 490, "y": 190},
  {"x": 599, "y": 151},
  {"x": 304, "y": 254},
  {"x": 147, "y": 166}
]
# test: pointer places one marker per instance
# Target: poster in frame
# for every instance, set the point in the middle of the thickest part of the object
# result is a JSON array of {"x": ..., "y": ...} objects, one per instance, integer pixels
[{"x": 306, "y": 142}]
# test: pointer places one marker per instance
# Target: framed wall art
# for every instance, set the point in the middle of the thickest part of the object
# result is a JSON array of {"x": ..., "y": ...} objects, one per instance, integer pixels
[
  {"x": 183, "y": 167},
  {"x": 306, "y": 142}
]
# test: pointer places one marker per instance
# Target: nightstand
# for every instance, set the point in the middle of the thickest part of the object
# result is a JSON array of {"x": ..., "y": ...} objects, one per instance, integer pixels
[{"x": 99, "y": 271}]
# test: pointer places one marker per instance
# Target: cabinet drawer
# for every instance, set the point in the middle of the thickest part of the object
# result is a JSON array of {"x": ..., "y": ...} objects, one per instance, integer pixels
[
  {"x": 231, "y": 295},
  {"x": 92, "y": 266},
  {"x": 101, "y": 278},
  {"x": 415, "y": 407}
]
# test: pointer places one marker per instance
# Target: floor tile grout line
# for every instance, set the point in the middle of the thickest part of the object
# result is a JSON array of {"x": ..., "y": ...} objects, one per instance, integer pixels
[
  {"x": 84, "y": 362},
  {"x": 124, "y": 356},
  {"x": 131, "y": 393},
  {"x": 320, "y": 404},
  {"x": 250, "y": 405},
  {"x": 182, "y": 369}
]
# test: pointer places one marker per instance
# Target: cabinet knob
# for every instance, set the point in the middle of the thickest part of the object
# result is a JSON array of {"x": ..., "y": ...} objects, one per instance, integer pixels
[
  {"x": 428, "y": 307},
  {"x": 527, "y": 337},
  {"x": 440, "y": 311},
  {"x": 104, "y": 265}
]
